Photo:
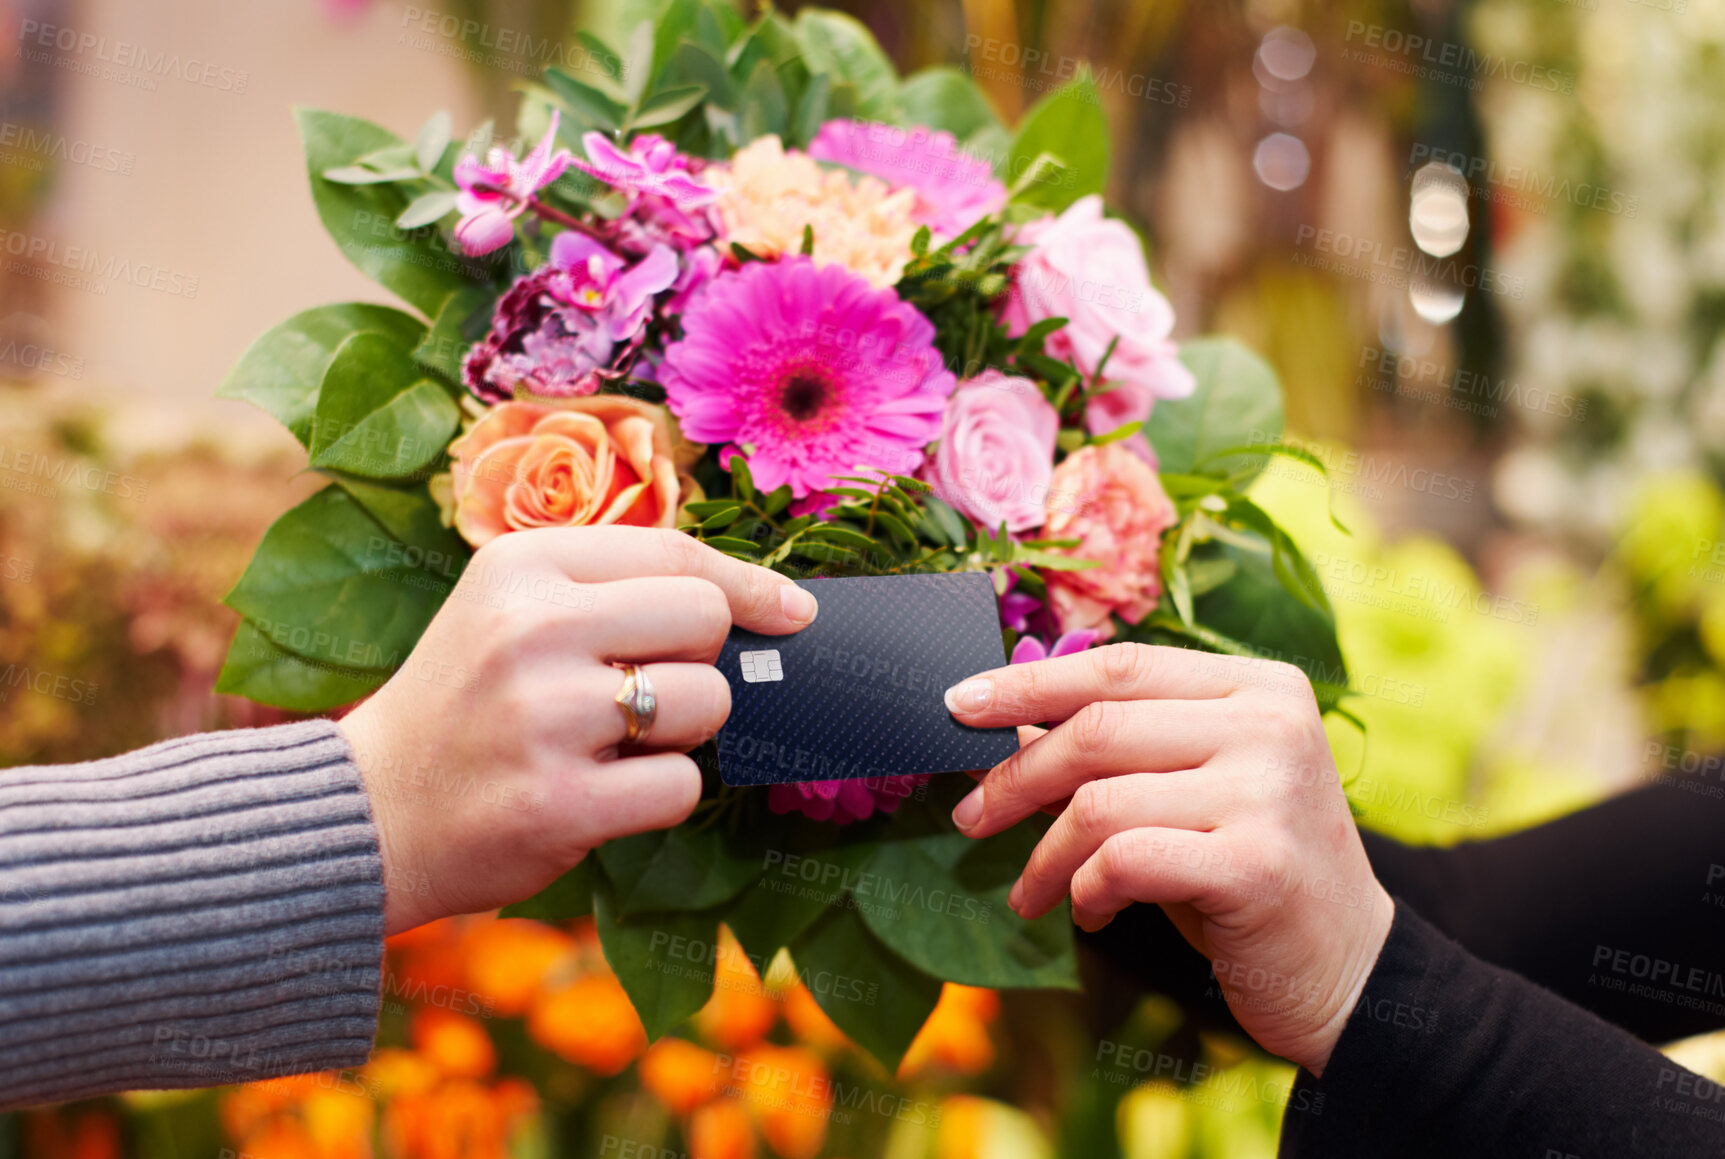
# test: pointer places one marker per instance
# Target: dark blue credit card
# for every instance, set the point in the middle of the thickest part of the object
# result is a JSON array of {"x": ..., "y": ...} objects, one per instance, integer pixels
[{"x": 859, "y": 692}]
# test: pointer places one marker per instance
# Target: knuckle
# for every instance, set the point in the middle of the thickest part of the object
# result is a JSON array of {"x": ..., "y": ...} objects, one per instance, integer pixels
[
  {"x": 680, "y": 554},
  {"x": 1117, "y": 860},
  {"x": 1092, "y": 807},
  {"x": 1092, "y": 728},
  {"x": 1124, "y": 664}
]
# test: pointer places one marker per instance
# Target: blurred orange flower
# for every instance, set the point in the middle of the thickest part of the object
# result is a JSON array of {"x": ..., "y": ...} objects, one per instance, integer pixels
[
  {"x": 810, "y": 1022},
  {"x": 507, "y": 960},
  {"x": 791, "y": 1094},
  {"x": 591, "y": 1022},
  {"x": 681, "y": 1074},
  {"x": 741, "y": 1010},
  {"x": 459, "y": 1120},
  {"x": 720, "y": 1130},
  {"x": 454, "y": 1043},
  {"x": 956, "y": 1033}
]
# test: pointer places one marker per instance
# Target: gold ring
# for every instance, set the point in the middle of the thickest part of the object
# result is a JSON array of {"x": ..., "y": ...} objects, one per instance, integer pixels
[{"x": 640, "y": 706}]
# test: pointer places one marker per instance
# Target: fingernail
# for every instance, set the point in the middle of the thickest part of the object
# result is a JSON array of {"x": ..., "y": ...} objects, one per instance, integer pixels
[
  {"x": 1016, "y": 897},
  {"x": 970, "y": 696},
  {"x": 968, "y": 811},
  {"x": 798, "y": 604}
]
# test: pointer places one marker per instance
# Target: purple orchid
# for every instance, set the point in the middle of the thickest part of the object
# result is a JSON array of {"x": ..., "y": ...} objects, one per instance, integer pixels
[
  {"x": 651, "y": 166},
  {"x": 496, "y": 191},
  {"x": 1029, "y": 649}
]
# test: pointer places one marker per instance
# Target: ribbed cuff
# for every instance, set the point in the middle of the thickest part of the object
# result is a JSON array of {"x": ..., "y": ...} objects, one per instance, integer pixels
[{"x": 205, "y": 911}]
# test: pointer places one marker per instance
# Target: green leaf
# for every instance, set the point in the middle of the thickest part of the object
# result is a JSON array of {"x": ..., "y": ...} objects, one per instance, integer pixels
[
  {"x": 697, "y": 64},
  {"x": 1254, "y": 607},
  {"x": 570, "y": 896},
  {"x": 280, "y": 372},
  {"x": 812, "y": 110},
  {"x": 419, "y": 267},
  {"x": 666, "y": 106},
  {"x": 362, "y": 175},
  {"x": 426, "y": 209},
  {"x": 585, "y": 105},
  {"x": 463, "y": 321},
  {"x": 723, "y": 517},
  {"x": 412, "y": 517},
  {"x": 433, "y": 139},
  {"x": 791, "y": 893},
  {"x": 1067, "y": 124},
  {"x": 260, "y": 670},
  {"x": 679, "y": 870},
  {"x": 731, "y": 543},
  {"x": 945, "y": 98},
  {"x": 329, "y": 584},
  {"x": 1238, "y": 402},
  {"x": 842, "y": 46},
  {"x": 378, "y": 415},
  {"x": 763, "y": 105},
  {"x": 664, "y": 961},
  {"x": 873, "y": 995},
  {"x": 947, "y": 914}
]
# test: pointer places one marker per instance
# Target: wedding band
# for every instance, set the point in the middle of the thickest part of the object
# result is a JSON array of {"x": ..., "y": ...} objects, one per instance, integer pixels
[{"x": 638, "y": 703}]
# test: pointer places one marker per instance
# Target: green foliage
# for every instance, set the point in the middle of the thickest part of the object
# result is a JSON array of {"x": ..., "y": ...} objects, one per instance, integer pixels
[
  {"x": 418, "y": 265},
  {"x": 281, "y": 372},
  {"x": 1068, "y": 127}
]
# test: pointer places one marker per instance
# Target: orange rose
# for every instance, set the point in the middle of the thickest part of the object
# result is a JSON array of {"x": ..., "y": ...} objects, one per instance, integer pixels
[{"x": 604, "y": 458}]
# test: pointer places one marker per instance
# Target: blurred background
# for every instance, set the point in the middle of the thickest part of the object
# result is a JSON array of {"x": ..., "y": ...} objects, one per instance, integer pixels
[{"x": 1483, "y": 242}]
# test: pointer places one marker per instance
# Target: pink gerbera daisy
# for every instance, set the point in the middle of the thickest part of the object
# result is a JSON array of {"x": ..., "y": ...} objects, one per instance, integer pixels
[{"x": 810, "y": 373}]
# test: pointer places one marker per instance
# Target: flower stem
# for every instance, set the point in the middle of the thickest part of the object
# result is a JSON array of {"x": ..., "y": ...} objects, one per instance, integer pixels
[{"x": 542, "y": 210}]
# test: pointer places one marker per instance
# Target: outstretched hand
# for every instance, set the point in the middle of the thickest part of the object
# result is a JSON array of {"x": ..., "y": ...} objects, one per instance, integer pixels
[
  {"x": 495, "y": 758},
  {"x": 1203, "y": 784}
]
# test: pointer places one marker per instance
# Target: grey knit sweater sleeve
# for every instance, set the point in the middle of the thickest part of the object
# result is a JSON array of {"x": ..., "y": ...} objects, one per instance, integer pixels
[{"x": 208, "y": 910}]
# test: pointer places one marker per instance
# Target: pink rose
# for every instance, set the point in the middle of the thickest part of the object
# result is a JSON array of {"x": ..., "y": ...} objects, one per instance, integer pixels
[
  {"x": 1090, "y": 270},
  {"x": 996, "y": 452},
  {"x": 1113, "y": 503}
]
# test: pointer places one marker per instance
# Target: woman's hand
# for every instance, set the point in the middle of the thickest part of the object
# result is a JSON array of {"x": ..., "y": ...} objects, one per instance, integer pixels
[
  {"x": 492, "y": 757},
  {"x": 1203, "y": 784}
]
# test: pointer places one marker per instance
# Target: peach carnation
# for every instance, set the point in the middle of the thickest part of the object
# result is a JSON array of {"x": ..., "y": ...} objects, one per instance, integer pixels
[
  {"x": 1112, "y": 502},
  {"x": 767, "y": 196},
  {"x": 603, "y": 458}
]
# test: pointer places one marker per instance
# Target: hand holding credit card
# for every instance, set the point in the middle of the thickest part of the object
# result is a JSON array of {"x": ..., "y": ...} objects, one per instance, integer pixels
[{"x": 858, "y": 693}]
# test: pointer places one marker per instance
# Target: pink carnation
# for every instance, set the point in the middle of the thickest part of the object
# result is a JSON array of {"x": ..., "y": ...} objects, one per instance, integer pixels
[
  {"x": 1090, "y": 270},
  {"x": 1112, "y": 502},
  {"x": 571, "y": 325},
  {"x": 996, "y": 451},
  {"x": 843, "y": 801},
  {"x": 954, "y": 190}
]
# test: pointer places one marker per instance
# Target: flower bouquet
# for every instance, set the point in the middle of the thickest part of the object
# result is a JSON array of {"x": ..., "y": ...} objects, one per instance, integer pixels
[{"x": 748, "y": 283}]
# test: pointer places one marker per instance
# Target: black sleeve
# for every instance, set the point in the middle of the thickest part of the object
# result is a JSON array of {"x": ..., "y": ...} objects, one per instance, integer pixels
[
  {"x": 1448, "y": 1056},
  {"x": 1620, "y": 908}
]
